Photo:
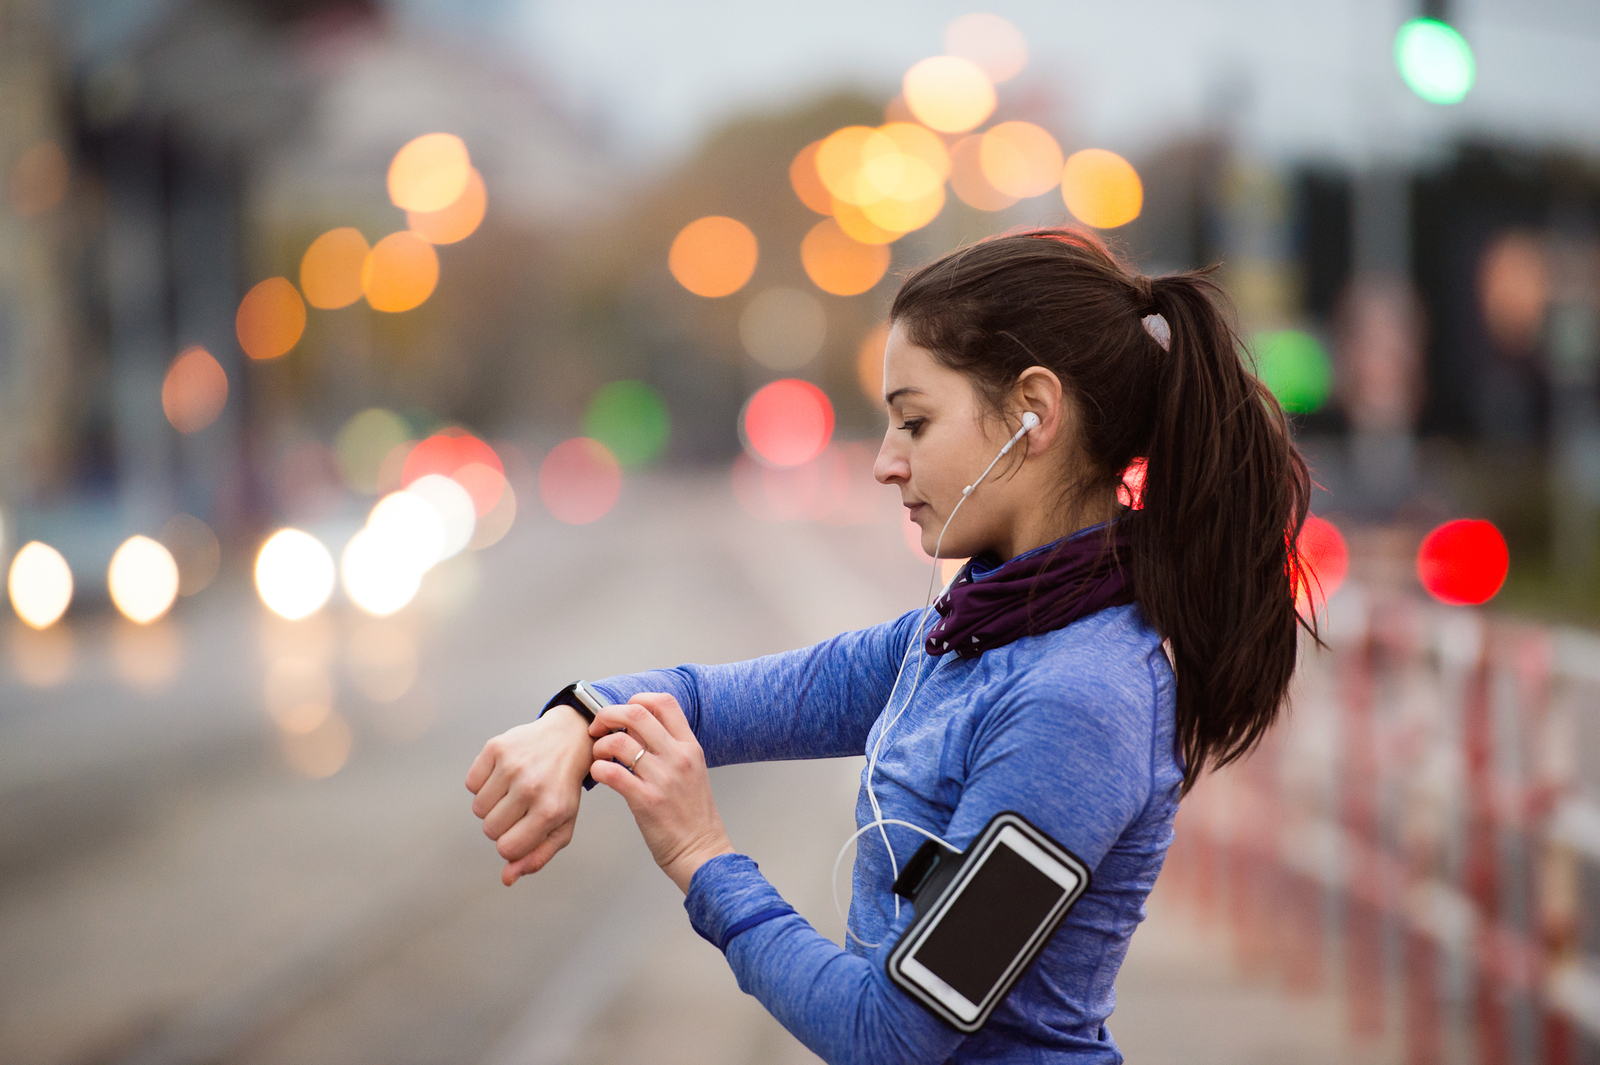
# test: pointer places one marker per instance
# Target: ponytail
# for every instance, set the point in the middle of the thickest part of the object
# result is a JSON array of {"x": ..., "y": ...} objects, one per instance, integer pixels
[{"x": 1212, "y": 548}]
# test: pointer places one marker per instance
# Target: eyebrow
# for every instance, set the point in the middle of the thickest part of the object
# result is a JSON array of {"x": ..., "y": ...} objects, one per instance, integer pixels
[{"x": 897, "y": 393}]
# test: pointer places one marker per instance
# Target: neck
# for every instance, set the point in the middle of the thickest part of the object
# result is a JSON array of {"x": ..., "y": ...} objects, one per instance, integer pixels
[{"x": 1035, "y": 528}]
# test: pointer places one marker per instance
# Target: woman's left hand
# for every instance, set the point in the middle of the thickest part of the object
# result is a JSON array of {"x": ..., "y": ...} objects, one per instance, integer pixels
[{"x": 669, "y": 789}]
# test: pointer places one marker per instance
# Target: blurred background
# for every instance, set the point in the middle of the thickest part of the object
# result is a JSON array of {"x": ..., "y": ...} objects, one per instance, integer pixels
[{"x": 370, "y": 369}]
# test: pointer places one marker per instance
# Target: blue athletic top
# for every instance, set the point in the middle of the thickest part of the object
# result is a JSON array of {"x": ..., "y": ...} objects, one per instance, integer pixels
[{"x": 1073, "y": 729}]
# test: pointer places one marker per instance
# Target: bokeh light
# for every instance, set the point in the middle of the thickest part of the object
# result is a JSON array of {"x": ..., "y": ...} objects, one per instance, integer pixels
[
  {"x": 446, "y": 452},
  {"x": 869, "y": 363},
  {"x": 902, "y": 216},
  {"x": 271, "y": 318},
  {"x": 1101, "y": 188},
  {"x": 429, "y": 173},
  {"x": 40, "y": 584},
  {"x": 399, "y": 273},
  {"x": 630, "y": 419},
  {"x": 321, "y": 752},
  {"x": 949, "y": 93},
  {"x": 455, "y": 507},
  {"x": 456, "y": 222},
  {"x": 413, "y": 524},
  {"x": 1130, "y": 492},
  {"x": 1514, "y": 290},
  {"x": 330, "y": 270},
  {"x": 1020, "y": 159},
  {"x": 298, "y": 693},
  {"x": 1295, "y": 366},
  {"x": 497, "y": 520},
  {"x": 194, "y": 391},
  {"x": 142, "y": 579},
  {"x": 857, "y": 226},
  {"x": 993, "y": 43},
  {"x": 294, "y": 574},
  {"x": 1324, "y": 561},
  {"x": 382, "y": 660},
  {"x": 1463, "y": 562},
  {"x": 39, "y": 179},
  {"x": 378, "y": 570},
  {"x": 1434, "y": 60},
  {"x": 194, "y": 548},
  {"x": 968, "y": 181},
  {"x": 579, "y": 481},
  {"x": 713, "y": 256},
  {"x": 883, "y": 182},
  {"x": 807, "y": 185},
  {"x": 364, "y": 442},
  {"x": 783, "y": 328},
  {"x": 839, "y": 265},
  {"x": 787, "y": 423}
]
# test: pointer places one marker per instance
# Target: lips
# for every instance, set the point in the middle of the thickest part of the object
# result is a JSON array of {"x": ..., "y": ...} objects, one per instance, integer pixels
[{"x": 914, "y": 509}]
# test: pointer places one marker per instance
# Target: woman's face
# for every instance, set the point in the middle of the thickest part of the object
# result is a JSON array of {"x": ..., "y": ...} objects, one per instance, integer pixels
[{"x": 938, "y": 441}]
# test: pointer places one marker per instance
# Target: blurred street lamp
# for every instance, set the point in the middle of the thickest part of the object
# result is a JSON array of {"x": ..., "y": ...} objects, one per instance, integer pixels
[{"x": 1433, "y": 58}]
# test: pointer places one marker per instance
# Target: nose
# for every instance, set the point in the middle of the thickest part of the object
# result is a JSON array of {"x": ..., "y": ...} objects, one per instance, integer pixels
[{"x": 893, "y": 464}]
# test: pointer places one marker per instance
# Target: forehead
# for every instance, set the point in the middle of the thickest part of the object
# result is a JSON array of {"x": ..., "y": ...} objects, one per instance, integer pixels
[{"x": 907, "y": 366}]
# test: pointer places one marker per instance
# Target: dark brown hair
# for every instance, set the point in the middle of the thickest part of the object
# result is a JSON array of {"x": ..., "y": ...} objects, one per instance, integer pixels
[{"x": 1225, "y": 491}]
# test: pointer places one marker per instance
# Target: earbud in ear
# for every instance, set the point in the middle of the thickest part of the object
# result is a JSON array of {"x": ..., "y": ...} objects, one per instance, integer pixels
[{"x": 1030, "y": 421}]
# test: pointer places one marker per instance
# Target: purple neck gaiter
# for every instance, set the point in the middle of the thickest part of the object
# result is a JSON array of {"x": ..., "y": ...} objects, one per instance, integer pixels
[{"x": 1031, "y": 594}]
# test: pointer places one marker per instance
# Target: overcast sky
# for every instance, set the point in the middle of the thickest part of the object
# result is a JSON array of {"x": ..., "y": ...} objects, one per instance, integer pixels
[{"x": 1298, "y": 77}]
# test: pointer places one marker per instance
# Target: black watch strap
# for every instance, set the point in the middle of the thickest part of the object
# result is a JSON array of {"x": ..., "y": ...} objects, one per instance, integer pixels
[{"x": 567, "y": 697}]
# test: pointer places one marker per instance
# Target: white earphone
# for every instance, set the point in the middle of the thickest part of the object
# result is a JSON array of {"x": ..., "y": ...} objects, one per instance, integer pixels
[{"x": 1030, "y": 422}]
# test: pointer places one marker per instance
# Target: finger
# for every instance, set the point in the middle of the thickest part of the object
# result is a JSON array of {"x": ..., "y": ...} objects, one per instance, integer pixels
[
  {"x": 637, "y": 719},
  {"x": 619, "y": 780},
  {"x": 540, "y": 856},
  {"x": 533, "y": 829},
  {"x": 482, "y": 766},
  {"x": 507, "y": 812},
  {"x": 619, "y": 745},
  {"x": 667, "y": 711},
  {"x": 493, "y": 790}
]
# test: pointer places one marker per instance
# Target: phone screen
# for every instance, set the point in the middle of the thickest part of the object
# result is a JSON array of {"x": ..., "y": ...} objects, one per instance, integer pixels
[{"x": 990, "y": 923}]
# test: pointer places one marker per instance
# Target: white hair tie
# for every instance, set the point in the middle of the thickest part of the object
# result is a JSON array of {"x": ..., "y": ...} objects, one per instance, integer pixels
[{"x": 1159, "y": 330}]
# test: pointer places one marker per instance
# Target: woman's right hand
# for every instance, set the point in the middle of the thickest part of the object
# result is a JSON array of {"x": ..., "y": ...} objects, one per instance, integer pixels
[{"x": 528, "y": 781}]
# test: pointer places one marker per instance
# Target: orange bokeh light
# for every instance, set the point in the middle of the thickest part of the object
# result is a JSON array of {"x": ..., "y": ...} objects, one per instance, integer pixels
[
  {"x": 457, "y": 221},
  {"x": 429, "y": 173},
  {"x": 400, "y": 272},
  {"x": 1101, "y": 188},
  {"x": 968, "y": 181},
  {"x": 194, "y": 391},
  {"x": 844, "y": 154},
  {"x": 1020, "y": 159},
  {"x": 579, "y": 480},
  {"x": 897, "y": 215},
  {"x": 806, "y": 183},
  {"x": 787, "y": 423},
  {"x": 330, "y": 270},
  {"x": 869, "y": 363},
  {"x": 989, "y": 41},
  {"x": 713, "y": 256},
  {"x": 839, "y": 265},
  {"x": 949, "y": 93},
  {"x": 271, "y": 318},
  {"x": 854, "y": 221}
]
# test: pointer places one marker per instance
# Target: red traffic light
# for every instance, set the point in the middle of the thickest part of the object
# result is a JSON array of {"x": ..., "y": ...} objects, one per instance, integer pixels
[{"x": 1463, "y": 562}]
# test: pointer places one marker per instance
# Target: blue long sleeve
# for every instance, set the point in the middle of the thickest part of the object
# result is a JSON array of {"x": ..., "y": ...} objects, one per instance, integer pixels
[{"x": 1073, "y": 729}]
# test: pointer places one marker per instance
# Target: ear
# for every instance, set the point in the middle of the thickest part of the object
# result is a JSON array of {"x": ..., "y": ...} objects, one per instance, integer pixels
[{"x": 1039, "y": 390}]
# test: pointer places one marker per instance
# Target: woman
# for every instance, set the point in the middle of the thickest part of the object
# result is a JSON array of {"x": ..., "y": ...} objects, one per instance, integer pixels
[{"x": 1083, "y": 670}]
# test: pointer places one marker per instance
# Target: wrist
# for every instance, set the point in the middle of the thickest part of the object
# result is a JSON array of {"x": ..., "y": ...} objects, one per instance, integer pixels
[{"x": 681, "y": 869}]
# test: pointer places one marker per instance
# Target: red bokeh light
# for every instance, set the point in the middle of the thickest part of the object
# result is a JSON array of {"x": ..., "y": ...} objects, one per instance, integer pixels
[
  {"x": 787, "y": 423},
  {"x": 579, "y": 480},
  {"x": 1130, "y": 493},
  {"x": 457, "y": 454},
  {"x": 1463, "y": 562},
  {"x": 1324, "y": 561}
]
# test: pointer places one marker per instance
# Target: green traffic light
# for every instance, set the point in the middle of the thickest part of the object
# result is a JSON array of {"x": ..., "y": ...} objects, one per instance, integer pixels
[{"x": 1435, "y": 61}]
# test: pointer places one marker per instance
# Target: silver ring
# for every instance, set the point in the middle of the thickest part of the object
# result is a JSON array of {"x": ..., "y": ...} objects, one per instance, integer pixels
[{"x": 641, "y": 754}]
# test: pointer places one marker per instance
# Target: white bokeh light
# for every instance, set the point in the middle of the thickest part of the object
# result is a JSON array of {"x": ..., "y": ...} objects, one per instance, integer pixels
[
  {"x": 142, "y": 579},
  {"x": 40, "y": 584},
  {"x": 454, "y": 506},
  {"x": 413, "y": 524},
  {"x": 294, "y": 574},
  {"x": 379, "y": 570}
]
